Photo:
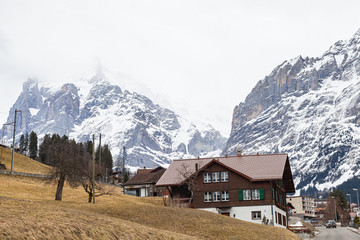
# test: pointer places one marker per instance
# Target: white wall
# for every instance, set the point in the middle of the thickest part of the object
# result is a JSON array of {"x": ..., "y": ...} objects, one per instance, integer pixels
[
  {"x": 143, "y": 192},
  {"x": 244, "y": 213}
]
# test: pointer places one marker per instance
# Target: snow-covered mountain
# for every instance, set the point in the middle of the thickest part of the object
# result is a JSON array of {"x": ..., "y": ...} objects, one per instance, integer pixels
[
  {"x": 152, "y": 134},
  {"x": 309, "y": 108}
]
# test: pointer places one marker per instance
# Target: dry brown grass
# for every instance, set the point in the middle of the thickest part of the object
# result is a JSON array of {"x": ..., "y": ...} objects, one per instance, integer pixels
[
  {"x": 28, "y": 211},
  {"x": 22, "y": 163}
]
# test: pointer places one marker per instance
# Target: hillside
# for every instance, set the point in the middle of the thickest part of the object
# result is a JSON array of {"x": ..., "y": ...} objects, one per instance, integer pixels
[
  {"x": 22, "y": 163},
  {"x": 29, "y": 203}
]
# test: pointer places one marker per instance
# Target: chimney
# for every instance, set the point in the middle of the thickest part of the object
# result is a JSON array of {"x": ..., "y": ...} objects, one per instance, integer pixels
[
  {"x": 239, "y": 152},
  {"x": 154, "y": 166}
]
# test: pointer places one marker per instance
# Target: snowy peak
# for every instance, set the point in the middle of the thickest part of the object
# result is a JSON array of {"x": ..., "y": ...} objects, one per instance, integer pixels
[
  {"x": 309, "y": 108},
  {"x": 152, "y": 134},
  {"x": 357, "y": 34}
]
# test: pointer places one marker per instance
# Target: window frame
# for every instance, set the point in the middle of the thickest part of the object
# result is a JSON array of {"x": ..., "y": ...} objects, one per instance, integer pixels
[
  {"x": 257, "y": 215},
  {"x": 222, "y": 177},
  {"x": 255, "y": 196},
  {"x": 214, "y": 178},
  {"x": 207, "y": 179},
  {"x": 246, "y": 194},
  {"x": 207, "y": 196},
  {"x": 216, "y": 196},
  {"x": 226, "y": 194}
]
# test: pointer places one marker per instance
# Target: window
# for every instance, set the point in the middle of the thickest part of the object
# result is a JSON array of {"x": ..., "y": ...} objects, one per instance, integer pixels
[
  {"x": 225, "y": 196},
  {"x": 207, "y": 197},
  {"x": 216, "y": 196},
  {"x": 207, "y": 178},
  {"x": 224, "y": 176},
  {"x": 216, "y": 177},
  {"x": 256, "y": 194},
  {"x": 279, "y": 218},
  {"x": 284, "y": 221},
  {"x": 256, "y": 215},
  {"x": 247, "y": 194}
]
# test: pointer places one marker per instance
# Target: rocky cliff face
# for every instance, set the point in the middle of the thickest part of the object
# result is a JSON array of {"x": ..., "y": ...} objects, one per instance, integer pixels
[
  {"x": 152, "y": 134},
  {"x": 309, "y": 108}
]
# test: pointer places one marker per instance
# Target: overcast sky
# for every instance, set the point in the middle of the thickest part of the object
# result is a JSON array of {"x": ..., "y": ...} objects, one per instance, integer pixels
[{"x": 202, "y": 57}]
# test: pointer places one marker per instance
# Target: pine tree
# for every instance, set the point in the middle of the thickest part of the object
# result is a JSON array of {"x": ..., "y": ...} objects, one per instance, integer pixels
[
  {"x": 26, "y": 144},
  {"x": 88, "y": 146},
  {"x": 106, "y": 158},
  {"x": 22, "y": 144},
  {"x": 33, "y": 145},
  {"x": 44, "y": 148}
]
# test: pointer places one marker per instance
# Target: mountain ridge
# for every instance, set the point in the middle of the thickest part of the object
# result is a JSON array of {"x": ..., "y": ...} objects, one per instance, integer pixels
[
  {"x": 151, "y": 133},
  {"x": 309, "y": 108}
]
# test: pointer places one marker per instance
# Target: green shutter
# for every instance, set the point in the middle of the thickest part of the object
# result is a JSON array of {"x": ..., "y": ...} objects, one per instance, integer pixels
[
  {"x": 262, "y": 195},
  {"x": 240, "y": 195},
  {"x": 273, "y": 194}
]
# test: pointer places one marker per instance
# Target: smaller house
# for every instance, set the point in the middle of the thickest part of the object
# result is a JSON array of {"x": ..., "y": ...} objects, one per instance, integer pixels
[
  {"x": 143, "y": 183},
  {"x": 304, "y": 206}
]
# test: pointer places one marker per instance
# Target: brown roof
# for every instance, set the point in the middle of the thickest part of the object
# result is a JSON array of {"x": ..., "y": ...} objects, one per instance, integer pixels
[
  {"x": 146, "y": 176},
  {"x": 264, "y": 167}
]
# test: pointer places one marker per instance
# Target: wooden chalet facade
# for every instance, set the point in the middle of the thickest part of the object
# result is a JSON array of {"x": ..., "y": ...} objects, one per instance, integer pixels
[
  {"x": 246, "y": 187},
  {"x": 143, "y": 183}
]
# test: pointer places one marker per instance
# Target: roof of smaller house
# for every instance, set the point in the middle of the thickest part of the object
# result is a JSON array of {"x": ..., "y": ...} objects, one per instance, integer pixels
[
  {"x": 259, "y": 167},
  {"x": 146, "y": 176}
]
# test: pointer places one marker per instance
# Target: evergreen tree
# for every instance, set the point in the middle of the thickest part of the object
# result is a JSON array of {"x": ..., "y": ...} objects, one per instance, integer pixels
[
  {"x": 340, "y": 198},
  {"x": 22, "y": 144},
  {"x": 44, "y": 148},
  {"x": 26, "y": 144},
  {"x": 88, "y": 146},
  {"x": 33, "y": 145},
  {"x": 106, "y": 158}
]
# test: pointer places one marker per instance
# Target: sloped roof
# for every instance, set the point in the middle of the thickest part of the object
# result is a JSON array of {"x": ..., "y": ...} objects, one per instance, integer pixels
[
  {"x": 264, "y": 167},
  {"x": 146, "y": 176}
]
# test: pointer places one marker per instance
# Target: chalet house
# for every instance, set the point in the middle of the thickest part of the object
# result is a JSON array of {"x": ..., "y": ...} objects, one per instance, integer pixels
[
  {"x": 143, "y": 183},
  {"x": 247, "y": 187}
]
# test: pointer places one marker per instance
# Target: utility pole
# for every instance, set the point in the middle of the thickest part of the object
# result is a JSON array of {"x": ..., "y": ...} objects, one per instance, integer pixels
[
  {"x": 93, "y": 175},
  {"x": 13, "y": 148},
  {"x": 123, "y": 165}
]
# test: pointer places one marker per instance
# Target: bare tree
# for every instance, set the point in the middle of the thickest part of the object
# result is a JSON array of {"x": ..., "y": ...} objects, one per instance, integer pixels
[
  {"x": 87, "y": 184},
  {"x": 188, "y": 175}
]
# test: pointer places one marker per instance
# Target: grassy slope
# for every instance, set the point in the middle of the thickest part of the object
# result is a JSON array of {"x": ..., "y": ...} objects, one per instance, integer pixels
[
  {"x": 22, "y": 163},
  {"x": 27, "y": 210}
]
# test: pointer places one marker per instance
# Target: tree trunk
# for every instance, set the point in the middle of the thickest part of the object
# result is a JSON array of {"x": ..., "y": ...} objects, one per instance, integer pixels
[
  {"x": 90, "y": 197},
  {"x": 59, "y": 189}
]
